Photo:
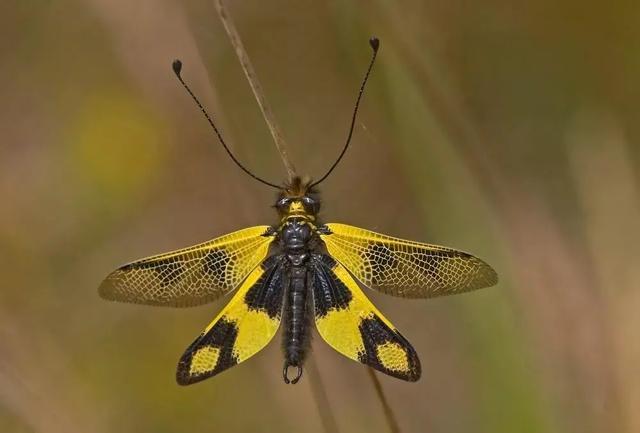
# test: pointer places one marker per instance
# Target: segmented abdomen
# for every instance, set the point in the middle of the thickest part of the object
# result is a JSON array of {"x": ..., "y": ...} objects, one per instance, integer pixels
[{"x": 296, "y": 330}]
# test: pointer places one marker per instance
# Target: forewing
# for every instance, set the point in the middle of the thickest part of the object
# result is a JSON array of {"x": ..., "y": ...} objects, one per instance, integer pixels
[
  {"x": 405, "y": 268},
  {"x": 352, "y": 325},
  {"x": 245, "y": 326},
  {"x": 190, "y": 276}
]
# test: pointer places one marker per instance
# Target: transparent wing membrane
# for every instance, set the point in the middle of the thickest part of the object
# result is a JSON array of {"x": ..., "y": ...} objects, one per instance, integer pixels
[
  {"x": 190, "y": 276},
  {"x": 405, "y": 268}
]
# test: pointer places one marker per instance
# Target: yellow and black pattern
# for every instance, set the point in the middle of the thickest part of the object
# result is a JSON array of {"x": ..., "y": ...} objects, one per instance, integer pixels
[
  {"x": 245, "y": 326},
  {"x": 405, "y": 268},
  {"x": 190, "y": 276},
  {"x": 352, "y": 325}
]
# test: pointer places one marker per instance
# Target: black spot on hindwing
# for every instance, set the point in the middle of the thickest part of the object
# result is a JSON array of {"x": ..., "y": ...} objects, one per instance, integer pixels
[
  {"x": 375, "y": 333},
  {"x": 222, "y": 336}
]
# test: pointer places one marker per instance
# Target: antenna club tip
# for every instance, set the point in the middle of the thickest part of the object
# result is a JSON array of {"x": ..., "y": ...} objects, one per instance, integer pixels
[
  {"x": 177, "y": 66},
  {"x": 375, "y": 43}
]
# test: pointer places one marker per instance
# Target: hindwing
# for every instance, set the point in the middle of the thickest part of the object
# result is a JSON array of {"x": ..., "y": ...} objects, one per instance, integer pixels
[
  {"x": 405, "y": 268},
  {"x": 246, "y": 325},
  {"x": 190, "y": 276},
  {"x": 352, "y": 325}
]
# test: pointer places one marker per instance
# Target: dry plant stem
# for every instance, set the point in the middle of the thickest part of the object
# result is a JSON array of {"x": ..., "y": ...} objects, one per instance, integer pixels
[
  {"x": 234, "y": 38},
  {"x": 320, "y": 396},
  {"x": 388, "y": 413},
  {"x": 317, "y": 387}
]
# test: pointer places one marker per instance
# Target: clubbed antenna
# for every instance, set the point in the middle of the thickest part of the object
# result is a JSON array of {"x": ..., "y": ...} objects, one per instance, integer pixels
[
  {"x": 375, "y": 44},
  {"x": 177, "y": 68}
]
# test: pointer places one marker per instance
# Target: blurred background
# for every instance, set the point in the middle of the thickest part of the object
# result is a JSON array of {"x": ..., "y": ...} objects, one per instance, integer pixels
[{"x": 507, "y": 129}]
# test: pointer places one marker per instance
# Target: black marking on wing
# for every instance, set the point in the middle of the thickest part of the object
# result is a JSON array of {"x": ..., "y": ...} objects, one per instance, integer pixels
[
  {"x": 168, "y": 270},
  {"x": 222, "y": 336},
  {"x": 329, "y": 293},
  {"x": 431, "y": 262},
  {"x": 405, "y": 268},
  {"x": 215, "y": 261},
  {"x": 376, "y": 333},
  {"x": 266, "y": 294},
  {"x": 386, "y": 260}
]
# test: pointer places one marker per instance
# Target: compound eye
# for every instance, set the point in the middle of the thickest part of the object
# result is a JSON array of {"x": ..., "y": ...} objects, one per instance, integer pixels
[
  {"x": 283, "y": 204},
  {"x": 310, "y": 205}
]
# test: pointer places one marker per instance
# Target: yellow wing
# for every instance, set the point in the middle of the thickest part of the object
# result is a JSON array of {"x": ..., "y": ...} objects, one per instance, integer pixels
[
  {"x": 405, "y": 268},
  {"x": 352, "y": 325},
  {"x": 245, "y": 325},
  {"x": 191, "y": 276}
]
